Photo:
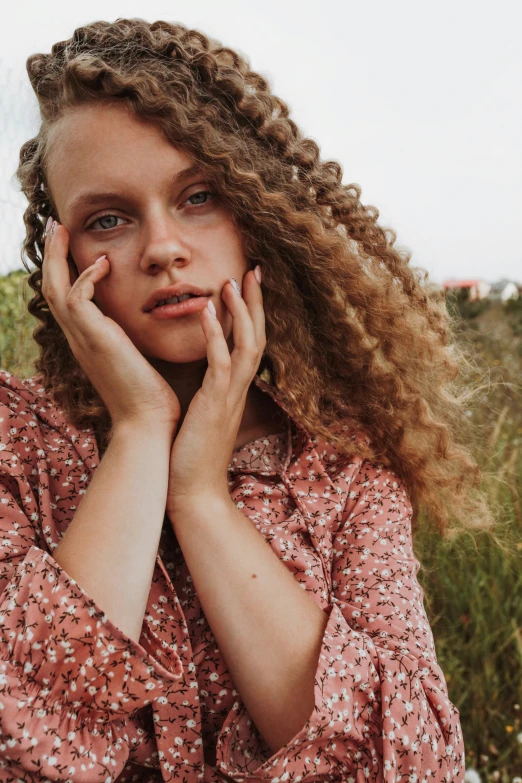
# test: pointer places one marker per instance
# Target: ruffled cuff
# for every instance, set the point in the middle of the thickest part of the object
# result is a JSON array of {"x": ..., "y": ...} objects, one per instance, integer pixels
[
  {"x": 346, "y": 731},
  {"x": 241, "y": 749},
  {"x": 67, "y": 652}
]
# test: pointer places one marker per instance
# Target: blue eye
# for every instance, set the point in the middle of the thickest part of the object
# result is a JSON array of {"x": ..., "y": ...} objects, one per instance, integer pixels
[
  {"x": 201, "y": 193},
  {"x": 105, "y": 217},
  {"x": 110, "y": 217}
]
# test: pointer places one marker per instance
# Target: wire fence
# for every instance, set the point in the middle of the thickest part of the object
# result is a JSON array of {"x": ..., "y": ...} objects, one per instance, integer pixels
[{"x": 19, "y": 119}]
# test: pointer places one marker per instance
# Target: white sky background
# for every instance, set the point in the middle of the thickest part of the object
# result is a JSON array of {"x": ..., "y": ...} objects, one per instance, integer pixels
[{"x": 420, "y": 103}]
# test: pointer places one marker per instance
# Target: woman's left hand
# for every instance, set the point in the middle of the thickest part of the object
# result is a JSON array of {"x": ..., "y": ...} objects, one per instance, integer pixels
[{"x": 202, "y": 448}]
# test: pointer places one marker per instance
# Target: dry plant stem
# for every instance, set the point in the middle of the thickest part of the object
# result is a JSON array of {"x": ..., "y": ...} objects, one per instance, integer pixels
[{"x": 111, "y": 543}]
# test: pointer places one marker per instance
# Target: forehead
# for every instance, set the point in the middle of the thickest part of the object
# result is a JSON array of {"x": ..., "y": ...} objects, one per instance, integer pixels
[
  {"x": 100, "y": 141},
  {"x": 90, "y": 122}
]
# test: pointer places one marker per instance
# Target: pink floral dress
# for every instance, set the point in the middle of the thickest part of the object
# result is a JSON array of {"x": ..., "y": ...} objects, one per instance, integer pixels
[{"x": 81, "y": 701}]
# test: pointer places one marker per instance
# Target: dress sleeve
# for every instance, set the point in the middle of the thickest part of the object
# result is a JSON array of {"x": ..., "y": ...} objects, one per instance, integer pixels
[
  {"x": 69, "y": 678},
  {"x": 382, "y": 711}
]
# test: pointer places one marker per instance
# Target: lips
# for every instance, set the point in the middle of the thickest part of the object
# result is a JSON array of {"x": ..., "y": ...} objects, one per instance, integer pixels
[
  {"x": 180, "y": 289},
  {"x": 163, "y": 302},
  {"x": 188, "y": 307}
]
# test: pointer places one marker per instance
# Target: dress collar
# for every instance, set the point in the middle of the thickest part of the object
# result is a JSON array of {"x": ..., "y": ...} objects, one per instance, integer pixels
[
  {"x": 270, "y": 454},
  {"x": 267, "y": 455}
]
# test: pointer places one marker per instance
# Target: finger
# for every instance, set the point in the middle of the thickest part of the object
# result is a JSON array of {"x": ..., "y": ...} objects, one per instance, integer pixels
[
  {"x": 217, "y": 377},
  {"x": 71, "y": 303},
  {"x": 248, "y": 328},
  {"x": 56, "y": 282},
  {"x": 47, "y": 229},
  {"x": 47, "y": 234},
  {"x": 253, "y": 295},
  {"x": 84, "y": 313},
  {"x": 74, "y": 274}
]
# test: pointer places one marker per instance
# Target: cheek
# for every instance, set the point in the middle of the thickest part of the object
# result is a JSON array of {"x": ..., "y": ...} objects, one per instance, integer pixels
[
  {"x": 108, "y": 303},
  {"x": 78, "y": 254},
  {"x": 117, "y": 294},
  {"x": 109, "y": 297}
]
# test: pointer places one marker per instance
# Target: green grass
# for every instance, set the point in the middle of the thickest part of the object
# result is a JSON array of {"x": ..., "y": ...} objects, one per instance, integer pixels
[
  {"x": 17, "y": 349},
  {"x": 473, "y": 590}
]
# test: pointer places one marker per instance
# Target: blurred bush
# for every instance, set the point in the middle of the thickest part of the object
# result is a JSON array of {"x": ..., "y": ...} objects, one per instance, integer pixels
[{"x": 17, "y": 348}]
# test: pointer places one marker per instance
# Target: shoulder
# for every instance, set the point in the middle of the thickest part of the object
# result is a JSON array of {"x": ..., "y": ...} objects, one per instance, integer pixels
[
  {"x": 17, "y": 397},
  {"x": 33, "y": 425},
  {"x": 339, "y": 463},
  {"x": 19, "y": 390},
  {"x": 359, "y": 477},
  {"x": 24, "y": 402}
]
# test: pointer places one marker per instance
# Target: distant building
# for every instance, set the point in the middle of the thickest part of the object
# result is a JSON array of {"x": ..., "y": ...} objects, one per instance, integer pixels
[
  {"x": 477, "y": 289},
  {"x": 504, "y": 290}
]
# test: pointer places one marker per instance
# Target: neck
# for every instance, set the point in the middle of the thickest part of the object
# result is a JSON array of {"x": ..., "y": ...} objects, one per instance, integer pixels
[{"x": 186, "y": 380}]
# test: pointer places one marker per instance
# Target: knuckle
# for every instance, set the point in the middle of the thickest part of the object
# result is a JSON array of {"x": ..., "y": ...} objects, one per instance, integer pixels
[
  {"x": 224, "y": 363},
  {"x": 49, "y": 293},
  {"x": 72, "y": 303}
]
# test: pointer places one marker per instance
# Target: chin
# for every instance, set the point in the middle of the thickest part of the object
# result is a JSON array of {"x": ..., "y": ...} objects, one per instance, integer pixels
[{"x": 176, "y": 357}]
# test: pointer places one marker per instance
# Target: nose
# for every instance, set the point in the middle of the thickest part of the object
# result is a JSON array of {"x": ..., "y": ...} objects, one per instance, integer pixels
[{"x": 165, "y": 242}]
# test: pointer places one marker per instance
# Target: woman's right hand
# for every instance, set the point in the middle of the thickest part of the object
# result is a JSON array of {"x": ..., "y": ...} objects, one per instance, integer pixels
[{"x": 133, "y": 391}]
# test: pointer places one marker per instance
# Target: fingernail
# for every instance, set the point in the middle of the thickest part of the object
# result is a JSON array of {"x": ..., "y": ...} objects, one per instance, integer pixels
[
  {"x": 53, "y": 227},
  {"x": 257, "y": 272},
  {"x": 236, "y": 285},
  {"x": 212, "y": 308},
  {"x": 100, "y": 259},
  {"x": 48, "y": 224}
]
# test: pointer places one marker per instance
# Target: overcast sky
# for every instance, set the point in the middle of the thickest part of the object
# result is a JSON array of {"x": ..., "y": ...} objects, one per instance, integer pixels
[{"x": 419, "y": 102}]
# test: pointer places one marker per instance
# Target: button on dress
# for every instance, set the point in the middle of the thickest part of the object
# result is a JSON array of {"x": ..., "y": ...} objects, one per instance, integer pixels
[{"x": 81, "y": 701}]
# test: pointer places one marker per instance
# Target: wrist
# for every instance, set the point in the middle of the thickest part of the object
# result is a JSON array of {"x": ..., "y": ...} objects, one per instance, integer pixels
[
  {"x": 183, "y": 504},
  {"x": 142, "y": 429}
]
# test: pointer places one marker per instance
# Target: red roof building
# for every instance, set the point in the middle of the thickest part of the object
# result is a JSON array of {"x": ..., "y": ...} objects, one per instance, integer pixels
[{"x": 478, "y": 289}]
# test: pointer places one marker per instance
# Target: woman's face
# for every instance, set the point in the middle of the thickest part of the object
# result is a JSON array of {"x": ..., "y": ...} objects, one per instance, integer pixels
[{"x": 117, "y": 185}]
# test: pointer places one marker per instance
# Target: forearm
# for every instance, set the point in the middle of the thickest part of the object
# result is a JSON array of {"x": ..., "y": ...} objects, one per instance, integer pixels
[
  {"x": 111, "y": 543},
  {"x": 267, "y": 628}
]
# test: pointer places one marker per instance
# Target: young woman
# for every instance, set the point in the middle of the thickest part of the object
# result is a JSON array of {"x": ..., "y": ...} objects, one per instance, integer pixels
[{"x": 208, "y": 506}]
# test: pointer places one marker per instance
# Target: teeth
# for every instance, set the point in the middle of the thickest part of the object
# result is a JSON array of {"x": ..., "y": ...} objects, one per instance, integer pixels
[{"x": 174, "y": 299}]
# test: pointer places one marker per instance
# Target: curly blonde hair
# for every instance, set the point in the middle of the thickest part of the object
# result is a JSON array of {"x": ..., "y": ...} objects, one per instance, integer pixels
[{"x": 354, "y": 334}]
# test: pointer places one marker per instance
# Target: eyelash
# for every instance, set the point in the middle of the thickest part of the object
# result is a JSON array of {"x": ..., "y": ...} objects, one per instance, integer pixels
[{"x": 110, "y": 214}]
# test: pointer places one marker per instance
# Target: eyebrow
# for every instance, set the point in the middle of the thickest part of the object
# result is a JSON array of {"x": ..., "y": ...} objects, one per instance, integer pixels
[{"x": 92, "y": 198}]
